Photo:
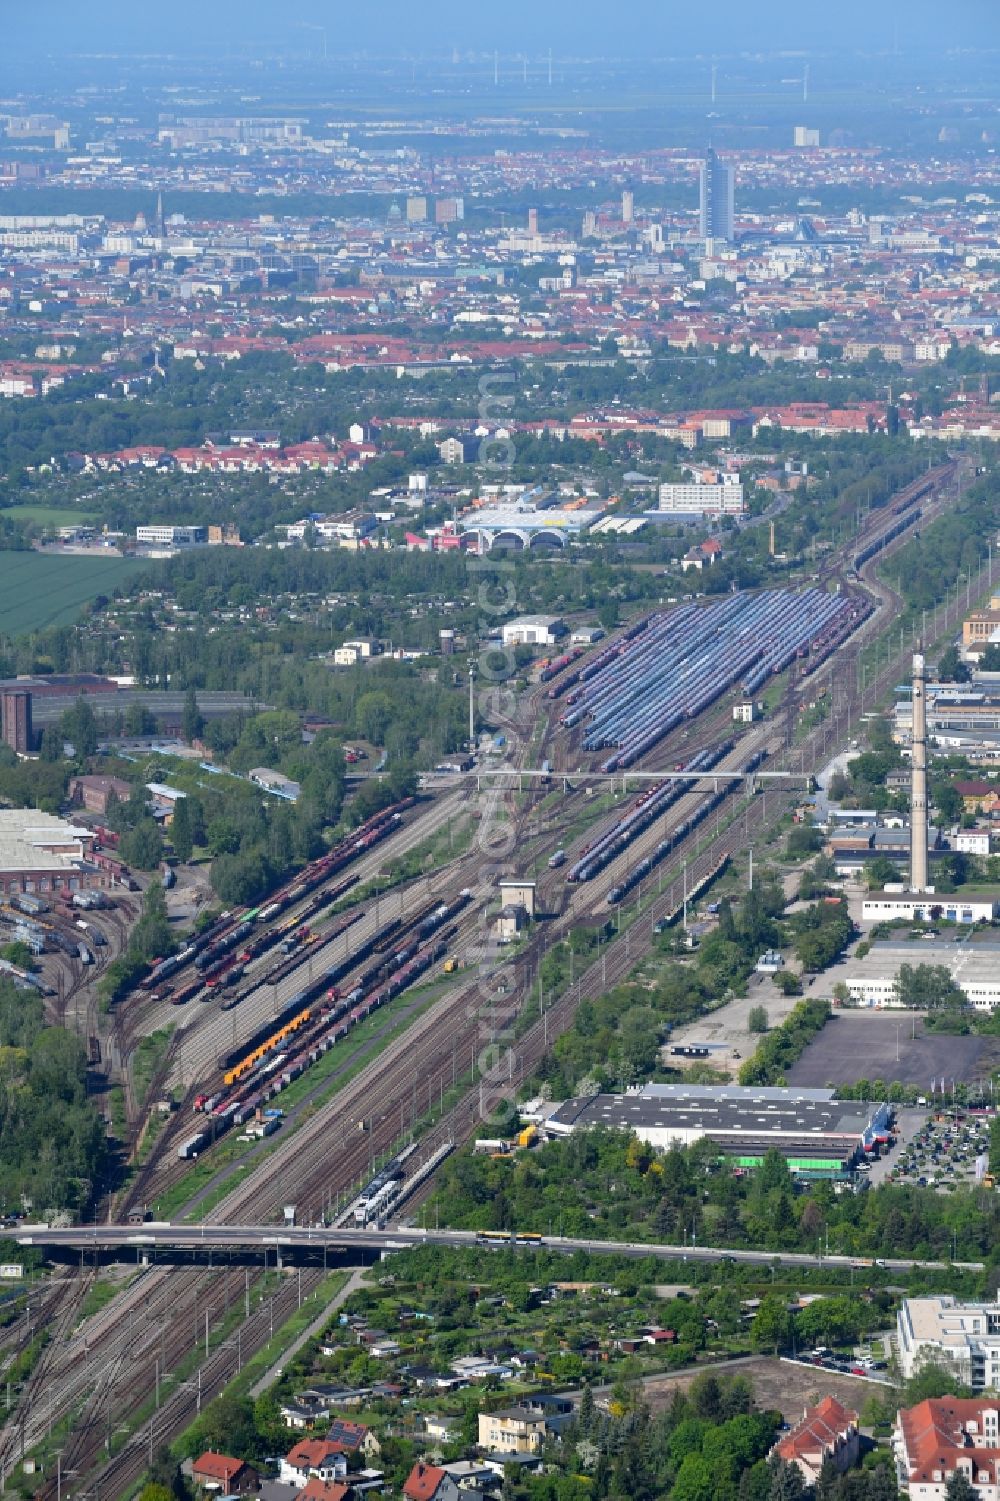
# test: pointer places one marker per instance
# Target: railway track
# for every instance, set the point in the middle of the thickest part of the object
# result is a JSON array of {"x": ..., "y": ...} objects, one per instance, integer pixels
[
  {"x": 116, "y": 1475},
  {"x": 162, "y": 1173},
  {"x": 87, "y": 1438},
  {"x": 402, "y": 1085},
  {"x": 387, "y": 1099},
  {"x": 55, "y": 1318},
  {"x": 142, "y": 1015},
  {"x": 113, "y": 1365}
]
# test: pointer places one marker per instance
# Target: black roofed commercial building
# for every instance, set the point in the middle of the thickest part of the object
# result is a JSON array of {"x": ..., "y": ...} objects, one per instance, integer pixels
[{"x": 819, "y": 1136}]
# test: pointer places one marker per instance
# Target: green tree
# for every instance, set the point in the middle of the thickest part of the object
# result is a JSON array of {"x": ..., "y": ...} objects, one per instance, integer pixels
[
  {"x": 827, "y": 1486},
  {"x": 951, "y": 668},
  {"x": 948, "y": 801},
  {"x": 51, "y": 749},
  {"x": 772, "y": 1324},
  {"x": 79, "y": 725},
  {"x": 960, "y": 1488},
  {"x": 192, "y": 720},
  {"x": 373, "y": 716},
  {"x": 151, "y": 936},
  {"x": 227, "y": 1425},
  {"x": 757, "y": 1020},
  {"x": 19, "y": 953},
  {"x": 143, "y": 845},
  {"x": 166, "y": 1473},
  {"x": 695, "y": 1480},
  {"x": 788, "y": 982},
  {"x": 802, "y": 840},
  {"x": 933, "y": 1380},
  {"x": 928, "y": 987},
  {"x": 787, "y": 1483},
  {"x": 181, "y": 832},
  {"x": 880, "y": 871},
  {"x": 139, "y": 720},
  {"x": 882, "y": 1482},
  {"x": 241, "y": 879}
]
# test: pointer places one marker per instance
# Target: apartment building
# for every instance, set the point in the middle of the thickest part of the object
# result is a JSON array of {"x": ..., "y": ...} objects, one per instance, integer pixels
[
  {"x": 945, "y": 1436},
  {"x": 944, "y": 1331},
  {"x": 515, "y": 1430}
]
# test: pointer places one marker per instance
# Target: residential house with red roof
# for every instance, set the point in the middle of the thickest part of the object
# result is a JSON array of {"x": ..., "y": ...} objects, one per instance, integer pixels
[
  {"x": 430, "y": 1483},
  {"x": 313, "y": 1457},
  {"x": 324, "y": 1490},
  {"x": 222, "y": 1473},
  {"x": 827, "y": 1431},
  {"x": 947, "y": 1434}
]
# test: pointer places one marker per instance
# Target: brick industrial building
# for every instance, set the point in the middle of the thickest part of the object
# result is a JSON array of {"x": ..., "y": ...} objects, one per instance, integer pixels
[
  {"x": 41, "y": 854},
  {"x": 15, "y": 709}
]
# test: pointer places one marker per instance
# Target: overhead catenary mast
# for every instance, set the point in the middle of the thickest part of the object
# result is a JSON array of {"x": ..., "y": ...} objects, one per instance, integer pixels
[{"x": 918, "y": 781}]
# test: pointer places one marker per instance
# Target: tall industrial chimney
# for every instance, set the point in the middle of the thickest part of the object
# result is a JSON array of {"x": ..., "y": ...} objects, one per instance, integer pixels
[{"x": 918, "y": 782}]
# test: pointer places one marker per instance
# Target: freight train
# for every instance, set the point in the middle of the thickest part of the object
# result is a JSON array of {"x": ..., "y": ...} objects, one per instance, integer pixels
[
  {"x": 642, "y": 814},
  {"x": 904, "y": 512},
  {"x": 676, "y": 836},
  {"x": 879, "y": 543},
  {"x": 673, "y": 913},
  {"x": 321, "y": 1000},
  {"x": 307, "y": 1028},
  {"x": 236, "y": 930},
  {"x": 306, "y": 1033}
]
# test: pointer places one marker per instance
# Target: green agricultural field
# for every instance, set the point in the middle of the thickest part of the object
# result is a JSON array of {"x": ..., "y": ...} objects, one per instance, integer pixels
[
  {"x": 44, "y": 515},
  {"x": 38, "y": 590}
]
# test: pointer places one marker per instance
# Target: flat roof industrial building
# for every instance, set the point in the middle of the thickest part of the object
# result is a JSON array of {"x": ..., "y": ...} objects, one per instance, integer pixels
[
  {"x": 974, "y": 967},
  {"x": 41, "y": 853},
  {"x": 893, "y": 904},
  {"x": 818, "y": 1135}
]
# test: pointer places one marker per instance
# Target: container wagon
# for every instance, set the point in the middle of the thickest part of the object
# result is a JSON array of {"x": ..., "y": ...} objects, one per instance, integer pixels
[{"x": 33, "y": 905}]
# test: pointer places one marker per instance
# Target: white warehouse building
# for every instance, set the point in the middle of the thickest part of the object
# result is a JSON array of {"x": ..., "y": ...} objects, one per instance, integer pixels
[
  {"x": 725, "y": 498},
  {"x": 172, "y": 536},
  {"x": 895, "y": 902},
  {"x": 533, "y": 630},
  {"x": 974, "y": 968}
]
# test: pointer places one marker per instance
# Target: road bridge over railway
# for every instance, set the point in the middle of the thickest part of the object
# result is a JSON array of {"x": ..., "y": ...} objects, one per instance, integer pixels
[{"x": 290, "y": 1243}]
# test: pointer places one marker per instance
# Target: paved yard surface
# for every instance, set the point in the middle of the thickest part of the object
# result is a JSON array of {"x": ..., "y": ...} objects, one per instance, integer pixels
[
  {"x": 908, "y": 1123},
  {"x": 724, "y": 1032},
  {"x": 887, "y": 1045}
]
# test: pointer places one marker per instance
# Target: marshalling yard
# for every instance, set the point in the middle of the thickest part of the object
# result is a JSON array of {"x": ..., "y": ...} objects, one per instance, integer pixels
[{"x": 386, "y": 1024}]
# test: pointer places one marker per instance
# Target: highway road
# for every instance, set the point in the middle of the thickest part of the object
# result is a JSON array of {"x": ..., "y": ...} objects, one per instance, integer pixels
[{"x": 297, "y": 1237}]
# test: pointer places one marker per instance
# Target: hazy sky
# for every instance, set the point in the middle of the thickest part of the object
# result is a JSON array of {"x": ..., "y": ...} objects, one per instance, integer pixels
[{"x": 627, "y": 27}]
